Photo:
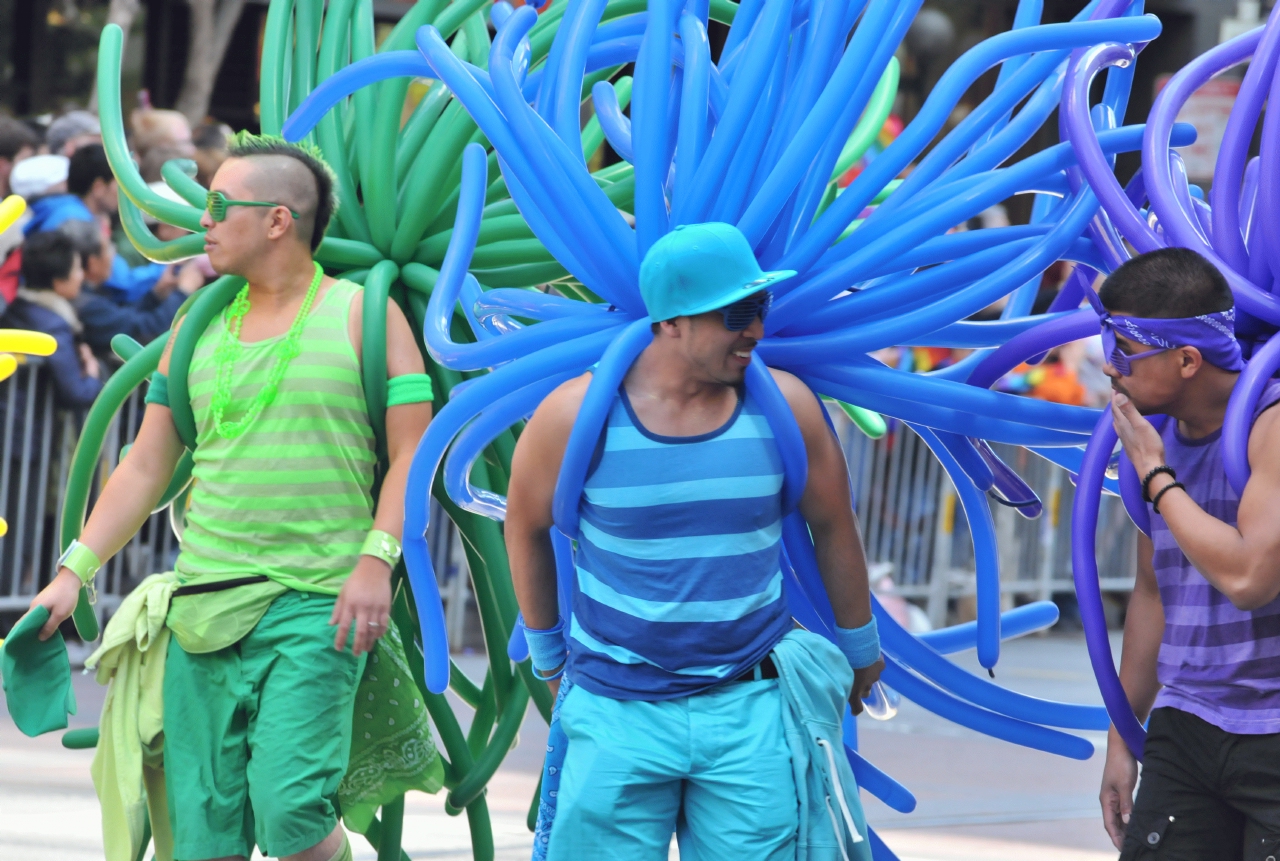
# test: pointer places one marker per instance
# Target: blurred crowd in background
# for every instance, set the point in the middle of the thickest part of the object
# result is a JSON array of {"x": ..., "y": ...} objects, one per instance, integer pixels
[{"x": 66, "y": 267}]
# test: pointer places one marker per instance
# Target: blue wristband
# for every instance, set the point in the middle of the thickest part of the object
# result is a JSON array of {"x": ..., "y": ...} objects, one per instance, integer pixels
[
  {"x": 547, "y": 648},
  {"x": 861, "y": 646}
]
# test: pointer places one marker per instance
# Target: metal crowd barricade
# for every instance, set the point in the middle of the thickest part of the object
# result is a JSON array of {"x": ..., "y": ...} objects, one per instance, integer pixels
[
  {"x": 906, "y": 503},
  {"x": 912, "y": 522},
  {"x": 37, "y": 439}
]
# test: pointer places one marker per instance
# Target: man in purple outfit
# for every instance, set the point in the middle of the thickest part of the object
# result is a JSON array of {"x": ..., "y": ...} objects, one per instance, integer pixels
[{"x": 1202, "y": 634}]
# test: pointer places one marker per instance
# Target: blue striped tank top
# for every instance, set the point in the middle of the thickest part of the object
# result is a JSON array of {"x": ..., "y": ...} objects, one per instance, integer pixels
[
  {"x": 679, "y": 583},
  {"x": 1216, "y": 661}
]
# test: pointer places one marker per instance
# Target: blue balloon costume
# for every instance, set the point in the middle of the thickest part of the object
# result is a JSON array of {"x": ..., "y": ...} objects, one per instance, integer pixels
[{"x": 753, "y": 140}]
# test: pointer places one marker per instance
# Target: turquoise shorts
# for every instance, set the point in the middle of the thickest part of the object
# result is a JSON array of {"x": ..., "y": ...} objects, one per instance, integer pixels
[
  {"x": 256, "y": 735},
  {"x": 714, "y": 768}
]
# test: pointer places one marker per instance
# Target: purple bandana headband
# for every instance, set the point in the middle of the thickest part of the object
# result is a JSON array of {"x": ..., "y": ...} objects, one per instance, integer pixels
[{"x": 1212, "y": 334}]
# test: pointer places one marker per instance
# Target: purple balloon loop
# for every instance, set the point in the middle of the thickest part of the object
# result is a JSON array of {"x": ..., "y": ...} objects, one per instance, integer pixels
[
  {"x": 1225, "y": 196},
  {"x": 1131, "y": 494},
  {"x": 1268, "y": 203},
  {"x": 1238, "y": 421},
  {"x": 1072, "y": 293},
  {"x": 1084, "y": 567},
  {"x": 1182, "y": 191},
  {"x": 1177, "y": 223},
  {"x": 1044, "y": 337},
  {"x": 1093, "y": 163}
]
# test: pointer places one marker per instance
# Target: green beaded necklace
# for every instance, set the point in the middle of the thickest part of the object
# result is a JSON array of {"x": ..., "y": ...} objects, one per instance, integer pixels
[{"x": 228, "y": 352}]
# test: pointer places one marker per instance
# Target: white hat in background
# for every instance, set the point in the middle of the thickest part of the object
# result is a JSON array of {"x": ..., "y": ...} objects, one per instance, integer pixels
[{"x": 34, "y": 176}]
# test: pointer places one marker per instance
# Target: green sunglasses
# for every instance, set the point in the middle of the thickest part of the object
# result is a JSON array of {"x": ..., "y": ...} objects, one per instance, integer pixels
[{"x": 216, "y": 202}]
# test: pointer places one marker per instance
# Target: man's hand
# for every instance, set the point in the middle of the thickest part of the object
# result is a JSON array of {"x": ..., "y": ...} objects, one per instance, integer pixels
[
  {"x": 59, "y": 598},
  {"x": 365, "y": 602},
  {"x": 89, "y": 362},
  {"x": 165, "y": 283},
  {"x": 1119, "y": 777},
  {"x": 190, "y": 278},
  {"x": 863, "y": 679},
  {"x": 1141, "y": 440}
]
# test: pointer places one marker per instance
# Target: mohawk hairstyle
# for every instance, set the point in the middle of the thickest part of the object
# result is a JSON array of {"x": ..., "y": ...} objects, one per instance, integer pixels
[{"x": 247, "y": 145}]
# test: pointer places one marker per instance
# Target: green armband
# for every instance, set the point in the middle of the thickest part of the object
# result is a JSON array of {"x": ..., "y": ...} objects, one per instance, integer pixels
[
  {"x": 409, "y": 389},
  {"x": 79, "y": 560},
  {"x": 382, "y": 545},
  {"x": 158, "y": 391}
]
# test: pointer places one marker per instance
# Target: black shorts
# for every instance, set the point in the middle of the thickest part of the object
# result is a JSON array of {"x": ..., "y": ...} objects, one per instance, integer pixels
[{"x": 1206, "y": 794}]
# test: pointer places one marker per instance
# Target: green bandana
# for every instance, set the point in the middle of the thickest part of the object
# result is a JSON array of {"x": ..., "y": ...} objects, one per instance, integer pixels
[
  {"x": 391, "y": 747},
  {"x": 37, "y": 676}
]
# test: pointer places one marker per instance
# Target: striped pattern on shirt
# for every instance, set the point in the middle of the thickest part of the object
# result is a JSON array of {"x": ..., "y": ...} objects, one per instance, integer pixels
[
  {"x": 1216, "y": 661},
  {"x": 679, "y": 584},
  {"x": 291, "y": 497}
]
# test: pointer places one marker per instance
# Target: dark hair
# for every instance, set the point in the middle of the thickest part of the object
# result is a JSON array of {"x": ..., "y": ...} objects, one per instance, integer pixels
[
  {"x": 14, "y": 135},
  {"x": 88, "y": 163},
  {"x": 85, "y": 236},
  {"x": 46, "y": 256},
  {"x": 246, "y": 145},
  {"x": 1167, "y": 283}
]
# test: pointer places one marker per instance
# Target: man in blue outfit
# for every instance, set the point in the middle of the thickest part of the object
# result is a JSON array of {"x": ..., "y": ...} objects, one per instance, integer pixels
[
  {"x": 674, "y": 721},
  {"x": 91, "y": 196}
]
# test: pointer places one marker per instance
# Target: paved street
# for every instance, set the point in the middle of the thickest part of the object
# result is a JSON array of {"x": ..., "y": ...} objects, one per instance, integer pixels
[{"x": 979, "y": 799}]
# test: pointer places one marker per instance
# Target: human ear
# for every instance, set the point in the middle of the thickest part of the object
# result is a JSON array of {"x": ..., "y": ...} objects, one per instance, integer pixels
[
  {"x": 1189, "y": 361},
  {"x": 279, "y": 224}
]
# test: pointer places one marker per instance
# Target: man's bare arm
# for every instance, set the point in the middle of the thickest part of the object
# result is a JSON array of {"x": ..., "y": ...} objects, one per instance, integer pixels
[
  {"x": 828, "y": 508},
  {"x": 130, "y": 495},
  {"x": 406, "y": 423},
  {"x": 535, "y": 466},
  {"x": 366, "y": 596},
  {"x": 1143, "y": 631},
  {"x": 1243, "y": 561}
]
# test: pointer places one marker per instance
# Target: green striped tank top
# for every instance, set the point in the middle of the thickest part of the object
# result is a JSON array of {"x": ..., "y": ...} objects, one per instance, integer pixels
[{"x": 290, "y": 498}]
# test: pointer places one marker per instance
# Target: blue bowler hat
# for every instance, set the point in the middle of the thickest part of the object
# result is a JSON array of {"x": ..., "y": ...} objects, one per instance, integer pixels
[{"x": 701, "y": 267}]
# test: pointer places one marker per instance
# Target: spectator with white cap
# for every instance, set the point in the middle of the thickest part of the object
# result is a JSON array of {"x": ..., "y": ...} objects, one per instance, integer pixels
[
  {"x": 39, "y": 176},
  {"x": 91, "y": 195}
]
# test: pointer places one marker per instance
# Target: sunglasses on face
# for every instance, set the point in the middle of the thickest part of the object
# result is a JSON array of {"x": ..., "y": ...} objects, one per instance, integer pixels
[
  {"x": 1119, "y": 359},
  {"x": 216, "y": 203},
  {"x": 741, "y": 314}
]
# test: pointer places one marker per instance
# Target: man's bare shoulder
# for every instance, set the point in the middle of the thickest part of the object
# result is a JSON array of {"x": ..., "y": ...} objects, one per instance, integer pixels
[
  {"x": 558, "y": 411},
  {"x": 804, "y": 403},
  {"x": 1264, "y": 440}
]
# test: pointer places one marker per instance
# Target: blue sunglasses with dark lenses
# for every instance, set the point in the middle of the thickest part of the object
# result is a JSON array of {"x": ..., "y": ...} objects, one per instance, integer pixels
[{"x": 741, "y": 314}]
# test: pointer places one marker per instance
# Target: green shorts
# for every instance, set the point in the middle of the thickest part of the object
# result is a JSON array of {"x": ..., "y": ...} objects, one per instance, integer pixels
[{"x": 256, "y": 735}]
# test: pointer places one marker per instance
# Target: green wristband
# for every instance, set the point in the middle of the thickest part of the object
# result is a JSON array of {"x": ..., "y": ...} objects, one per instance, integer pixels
[
  {"x": 382, "y": 545},
  {"x": 81, "y": 561}
]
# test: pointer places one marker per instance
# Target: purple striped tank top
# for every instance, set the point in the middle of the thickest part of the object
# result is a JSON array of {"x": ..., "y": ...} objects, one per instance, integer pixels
[{"x": 1217, "y": 662}]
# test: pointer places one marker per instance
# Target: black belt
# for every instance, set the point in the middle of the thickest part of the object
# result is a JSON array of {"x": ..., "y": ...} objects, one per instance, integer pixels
[
  {"x": 767, "y": 671},
  {"x": 218, "y": 586}
]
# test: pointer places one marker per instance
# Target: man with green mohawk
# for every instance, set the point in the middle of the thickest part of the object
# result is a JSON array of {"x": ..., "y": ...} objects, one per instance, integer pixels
[{"x": 282, "y": 586}]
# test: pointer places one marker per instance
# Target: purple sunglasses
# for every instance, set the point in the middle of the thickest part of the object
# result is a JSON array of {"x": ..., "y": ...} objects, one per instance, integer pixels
[{"x": 1119, "y": 359}]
